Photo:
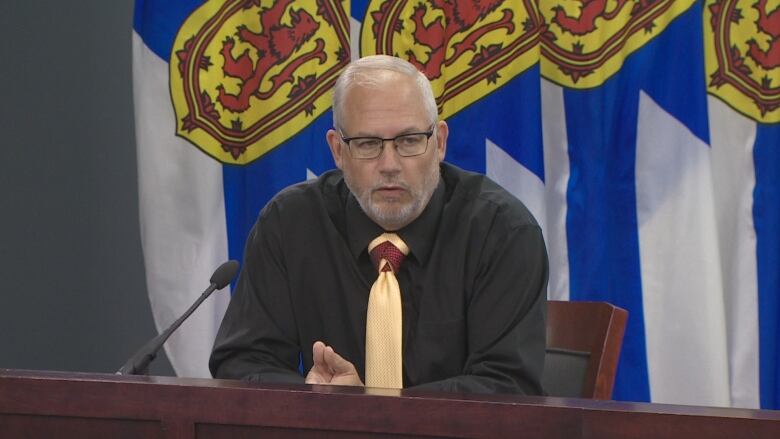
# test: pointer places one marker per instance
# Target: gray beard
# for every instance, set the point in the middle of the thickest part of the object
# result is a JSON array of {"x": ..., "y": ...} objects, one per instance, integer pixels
[{"x": 394, "y": 219}]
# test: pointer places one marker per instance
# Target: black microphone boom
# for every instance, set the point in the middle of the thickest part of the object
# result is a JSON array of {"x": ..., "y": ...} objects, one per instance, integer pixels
[{"x": 138, "y": 364}]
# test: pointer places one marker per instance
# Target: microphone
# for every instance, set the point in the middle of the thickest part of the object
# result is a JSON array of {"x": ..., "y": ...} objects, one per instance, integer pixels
[{"x": 138, "y": 364}]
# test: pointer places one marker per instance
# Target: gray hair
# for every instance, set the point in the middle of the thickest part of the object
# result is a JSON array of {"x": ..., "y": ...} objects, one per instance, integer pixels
[{"x": 359, "y": 72}]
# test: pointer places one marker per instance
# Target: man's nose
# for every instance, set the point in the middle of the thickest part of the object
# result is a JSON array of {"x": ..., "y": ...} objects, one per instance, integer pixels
[{"x": 389, "y": 159}]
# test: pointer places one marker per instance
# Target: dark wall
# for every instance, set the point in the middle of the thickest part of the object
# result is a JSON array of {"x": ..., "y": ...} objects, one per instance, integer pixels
[{"x": 73, "y": 295}]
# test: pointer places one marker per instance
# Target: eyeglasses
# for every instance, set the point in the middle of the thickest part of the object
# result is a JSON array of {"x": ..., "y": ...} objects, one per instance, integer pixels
[{"x": 407, "y": 145}]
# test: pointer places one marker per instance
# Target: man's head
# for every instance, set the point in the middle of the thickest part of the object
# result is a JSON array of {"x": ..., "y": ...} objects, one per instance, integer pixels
[{"x": 386, "y": 97}]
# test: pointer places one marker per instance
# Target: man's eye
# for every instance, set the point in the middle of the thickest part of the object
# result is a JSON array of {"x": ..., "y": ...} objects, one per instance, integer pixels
[
  {"x": 410, "y": 140},
  {"x": 367, "y": 143}
]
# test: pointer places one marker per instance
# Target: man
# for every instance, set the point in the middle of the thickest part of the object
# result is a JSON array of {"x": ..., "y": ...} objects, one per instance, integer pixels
[{"x": 461, "y": 309}]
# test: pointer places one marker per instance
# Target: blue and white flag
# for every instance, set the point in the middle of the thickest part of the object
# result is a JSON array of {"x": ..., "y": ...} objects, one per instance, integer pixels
[
  {"x": 643, "y": 135},
  {"x": 232, "y": 103}
]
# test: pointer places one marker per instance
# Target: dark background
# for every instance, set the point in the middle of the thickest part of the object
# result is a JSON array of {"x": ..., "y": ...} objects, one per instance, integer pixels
[{"x": 73, "y": 294}]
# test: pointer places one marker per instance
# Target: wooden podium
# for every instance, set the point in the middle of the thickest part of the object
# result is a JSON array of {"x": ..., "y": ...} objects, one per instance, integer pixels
[{"x": 64, "y": 405}]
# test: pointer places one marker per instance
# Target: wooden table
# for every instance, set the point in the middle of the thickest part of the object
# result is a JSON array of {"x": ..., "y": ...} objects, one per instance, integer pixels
[{"x": 36, "y": 404}]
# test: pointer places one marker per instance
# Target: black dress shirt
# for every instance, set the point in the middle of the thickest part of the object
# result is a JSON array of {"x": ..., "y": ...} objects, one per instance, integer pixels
[{"x": 473, "y": 288}]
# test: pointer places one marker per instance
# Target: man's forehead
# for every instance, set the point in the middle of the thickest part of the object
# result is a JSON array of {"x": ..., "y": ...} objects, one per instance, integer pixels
[{"x": 395, "y": 101}]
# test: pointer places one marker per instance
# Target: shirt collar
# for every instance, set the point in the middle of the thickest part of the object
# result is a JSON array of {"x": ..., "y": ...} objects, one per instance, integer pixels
[{"x": 418, "y": 235}]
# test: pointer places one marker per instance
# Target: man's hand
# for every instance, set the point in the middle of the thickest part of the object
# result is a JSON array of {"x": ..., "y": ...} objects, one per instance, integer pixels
[{"x": 330, "y": 368}]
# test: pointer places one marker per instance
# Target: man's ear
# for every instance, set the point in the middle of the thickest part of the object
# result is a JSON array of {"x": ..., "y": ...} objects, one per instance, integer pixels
[
  {"x": 442, "y": 131},
  {"x": 335, "y": 144}
]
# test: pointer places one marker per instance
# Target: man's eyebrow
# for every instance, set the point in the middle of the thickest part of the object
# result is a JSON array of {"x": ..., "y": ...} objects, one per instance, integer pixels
[{"x": 408, "y": 130}]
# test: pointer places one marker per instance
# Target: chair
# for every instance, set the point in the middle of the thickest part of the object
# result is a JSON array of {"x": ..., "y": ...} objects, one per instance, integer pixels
[{"x": 583, "y": 348}]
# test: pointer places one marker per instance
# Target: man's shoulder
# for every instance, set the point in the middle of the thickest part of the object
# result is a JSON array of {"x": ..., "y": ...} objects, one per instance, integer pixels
[
  {"x": 307, "y": 196},
  {"x": 478, "y": 193},
  {"x": 320, "y": 186}
]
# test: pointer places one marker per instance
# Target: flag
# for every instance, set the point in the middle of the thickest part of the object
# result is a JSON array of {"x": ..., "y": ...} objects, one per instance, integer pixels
[
  {"x": 642, "y": 135},
  {"x": 665, "y": 214},
  {"x": 742, "y": 53},
  {"x": 210, "y": 156}
]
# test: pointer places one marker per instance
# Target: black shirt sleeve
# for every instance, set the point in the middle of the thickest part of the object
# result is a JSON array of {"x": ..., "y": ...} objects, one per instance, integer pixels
[{"x": 257, "y": 340}]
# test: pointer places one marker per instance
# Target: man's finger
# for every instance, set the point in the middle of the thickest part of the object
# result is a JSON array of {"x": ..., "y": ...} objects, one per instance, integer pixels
[
  {"x": 336, "y": 362},
  {"x": 343, "y": 371},
  {"x": 320, "y": 372},
  {"x": 314, "y": 378},
  {"x": 318, "y": 354}
]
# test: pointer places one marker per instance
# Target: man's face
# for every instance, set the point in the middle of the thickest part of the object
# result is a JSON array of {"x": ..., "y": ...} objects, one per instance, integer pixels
[{"x": 392, "y": 190}]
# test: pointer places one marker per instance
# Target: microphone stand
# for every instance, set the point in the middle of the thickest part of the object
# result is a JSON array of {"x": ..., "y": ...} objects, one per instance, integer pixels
[{"x": 138, "y": 364}]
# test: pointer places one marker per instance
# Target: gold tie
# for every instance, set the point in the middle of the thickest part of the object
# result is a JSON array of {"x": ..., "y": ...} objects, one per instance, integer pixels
[{"x": 384, "y": 356}]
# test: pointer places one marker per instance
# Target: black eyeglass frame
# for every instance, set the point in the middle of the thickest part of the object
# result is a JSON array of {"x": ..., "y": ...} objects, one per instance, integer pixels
[{"x": 428, "y": 134}]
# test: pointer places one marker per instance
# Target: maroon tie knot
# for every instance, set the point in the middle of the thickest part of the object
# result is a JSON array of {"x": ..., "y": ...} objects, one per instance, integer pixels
[{"x": 391, "y": 253}]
